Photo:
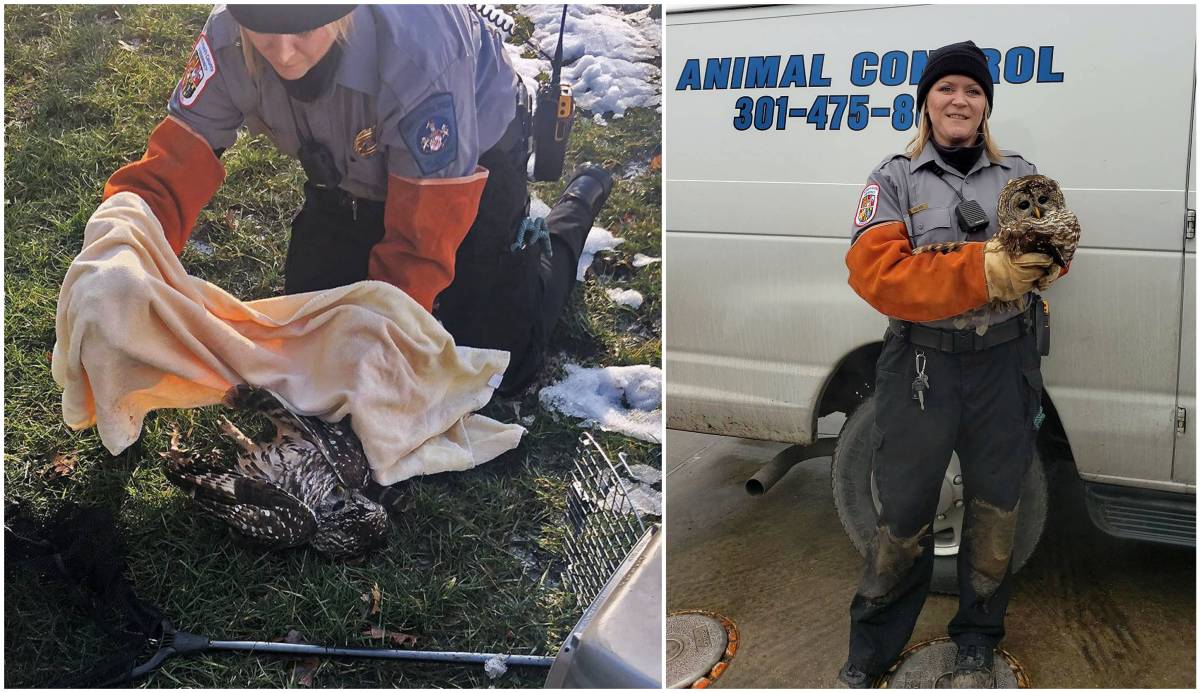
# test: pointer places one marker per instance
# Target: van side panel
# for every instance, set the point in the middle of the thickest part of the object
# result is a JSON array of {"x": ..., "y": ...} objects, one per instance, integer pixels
[{"x": 761, "y": 351}]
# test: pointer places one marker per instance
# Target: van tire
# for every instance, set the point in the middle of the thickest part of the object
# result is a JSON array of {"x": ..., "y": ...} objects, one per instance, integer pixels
[{"x": 856, "y": 508}]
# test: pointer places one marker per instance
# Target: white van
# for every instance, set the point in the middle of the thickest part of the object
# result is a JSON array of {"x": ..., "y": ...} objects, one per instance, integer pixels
[{"x": 775, "y": 117}]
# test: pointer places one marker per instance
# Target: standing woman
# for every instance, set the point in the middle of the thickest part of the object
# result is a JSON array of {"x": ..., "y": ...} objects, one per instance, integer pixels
[
  {"x": 939, "y": 389},
  {"x": 412, "y": 129}
]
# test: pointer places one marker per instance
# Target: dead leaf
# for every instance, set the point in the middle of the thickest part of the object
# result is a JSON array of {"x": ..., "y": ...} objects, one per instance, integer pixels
[
  {"x": 293, "y": 637},
  {"x": 656, "y": 162},
  {"x": 62, "y": 464},
  {"x": 306, "y": 668},
  {"x": 371, "y": 601},
  {"x": 131, "y": 45},
  {"x": 395, "y": 638},
  {"x": 231, "y": 220},
  {"x": 306, "y": 671}
]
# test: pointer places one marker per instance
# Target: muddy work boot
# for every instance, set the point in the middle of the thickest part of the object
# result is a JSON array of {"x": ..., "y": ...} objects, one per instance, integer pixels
[
  {"x": 573, "y": 214},
  {"x": 851, "y": 676},
  {"x": 590, "y": 184},
  {"x": 973, "y": 668}
]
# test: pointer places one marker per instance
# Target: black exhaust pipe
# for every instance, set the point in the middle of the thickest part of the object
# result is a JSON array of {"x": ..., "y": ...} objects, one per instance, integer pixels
[{"x": 782, "y": 463}]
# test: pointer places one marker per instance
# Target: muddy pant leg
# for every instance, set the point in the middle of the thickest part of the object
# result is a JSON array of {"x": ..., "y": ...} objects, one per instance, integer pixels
[
  {"x": 995, "y": 449},
  {"x": 912, "y": 451},
  {"x": 568, "y": 222}
]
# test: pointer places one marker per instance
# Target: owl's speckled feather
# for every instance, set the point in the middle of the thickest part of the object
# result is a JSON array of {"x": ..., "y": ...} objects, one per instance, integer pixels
[
  {"x": 305, "y": 486},
  {"x": 1033, "y": 218}
]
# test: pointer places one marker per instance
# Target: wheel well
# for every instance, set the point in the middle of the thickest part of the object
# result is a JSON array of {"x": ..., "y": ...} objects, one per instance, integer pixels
[
  {"x": 853, "y": 380},
  {"x": 1054, "y": 448}
]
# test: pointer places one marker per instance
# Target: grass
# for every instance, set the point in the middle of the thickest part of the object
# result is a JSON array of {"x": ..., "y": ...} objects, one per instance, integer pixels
[{"x": 475, "y": 558}]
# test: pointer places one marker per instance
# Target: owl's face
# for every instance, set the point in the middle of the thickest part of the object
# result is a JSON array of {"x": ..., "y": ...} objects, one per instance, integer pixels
[
  {"x": 1034, "y": 217},
  {"x": 1029, "y": 197},
  {"x": 349, "y": 524}
]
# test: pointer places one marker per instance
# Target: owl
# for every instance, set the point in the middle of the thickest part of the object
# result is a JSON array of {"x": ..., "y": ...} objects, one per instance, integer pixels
[
  {"x": 305, "y": 486},
  {"x": 1034, "y": 218}
]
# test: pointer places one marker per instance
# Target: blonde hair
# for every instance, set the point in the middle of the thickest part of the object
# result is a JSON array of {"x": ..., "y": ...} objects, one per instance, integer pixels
[
  {"x": 925, "y": 134},
  {"x": 254, "y": 61}
]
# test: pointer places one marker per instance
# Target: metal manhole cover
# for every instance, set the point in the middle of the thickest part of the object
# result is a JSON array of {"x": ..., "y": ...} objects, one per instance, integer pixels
[
  {"x": 929, "y": 665},
  {"x": 699, "y": 647}
]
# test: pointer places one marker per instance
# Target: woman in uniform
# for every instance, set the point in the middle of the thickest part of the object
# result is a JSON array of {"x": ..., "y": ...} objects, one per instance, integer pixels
[
  {"x": 412, "y": 129},
  {"x": 939, "y": 389}
]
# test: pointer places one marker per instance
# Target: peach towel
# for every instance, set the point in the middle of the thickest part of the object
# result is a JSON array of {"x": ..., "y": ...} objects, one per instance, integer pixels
[{"x": 135, "y": 333}]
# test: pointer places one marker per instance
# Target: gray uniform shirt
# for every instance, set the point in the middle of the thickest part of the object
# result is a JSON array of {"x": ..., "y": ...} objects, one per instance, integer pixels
[
  {"x": 911, "y": 191},
  {"x": 430, "y": 85}
]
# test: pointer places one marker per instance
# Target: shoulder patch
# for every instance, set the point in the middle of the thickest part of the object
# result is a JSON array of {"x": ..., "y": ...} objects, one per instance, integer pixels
[
  {"x": 200, "y": 68},
  {"x": 431, "y": 133},
  {"x": 868, "y": 203}
]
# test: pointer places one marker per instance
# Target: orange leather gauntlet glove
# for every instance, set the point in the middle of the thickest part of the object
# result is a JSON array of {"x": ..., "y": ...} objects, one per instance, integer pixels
[
  {"x": 425, "y": 220},
  {"x": 919, "y": 288},
  {"x": 177, "y": 176}
]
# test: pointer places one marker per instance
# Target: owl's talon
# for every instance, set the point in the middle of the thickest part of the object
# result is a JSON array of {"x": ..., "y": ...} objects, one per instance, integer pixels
[{"x": 243, "y": 441}]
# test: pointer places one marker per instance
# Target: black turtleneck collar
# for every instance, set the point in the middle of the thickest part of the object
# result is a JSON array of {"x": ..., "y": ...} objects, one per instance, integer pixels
[
  {"x": 316, "y": 81},
  {"x": 961, "y": 158}
]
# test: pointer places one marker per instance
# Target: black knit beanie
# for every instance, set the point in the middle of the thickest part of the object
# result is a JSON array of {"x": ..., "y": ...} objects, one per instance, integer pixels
[
  {"x": 287, "y": 19},
  {"x": 955, "y": 59}
]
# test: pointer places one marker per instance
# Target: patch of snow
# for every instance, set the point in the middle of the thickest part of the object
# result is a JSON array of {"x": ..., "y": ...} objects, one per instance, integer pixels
[
  {"x": 612, "y": 84},
  {"x": 645, "y": 500},
  {"x": 202, "y": 247},
  {"x": 599, "y": 239},
  {"x": 640, "y": 260},
  {"x": 607, "y": 55},
  {"x": 624, "y": 399},
  {"x": 625, "y": 297},
  {"x": 646, "y": 474},
  {"x": 496, "y": 667},
  {"x": 621, "y": 495},
  {"x": 537, "y": 208},
  {"x": 634, "y": 169},
  {"x": 528, "y": 560},
  {"x": 526, "y": 68},
  {"x": 595, "y": 30}
]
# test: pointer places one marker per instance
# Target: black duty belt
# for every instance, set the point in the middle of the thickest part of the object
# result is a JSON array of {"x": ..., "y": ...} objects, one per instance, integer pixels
[
  {"x": 337, "y": 197},
  {"x": 959, "y": 341}
]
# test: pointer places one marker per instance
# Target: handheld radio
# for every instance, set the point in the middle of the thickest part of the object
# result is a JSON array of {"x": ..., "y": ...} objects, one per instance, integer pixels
[{"x": 552, "y": 119}]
